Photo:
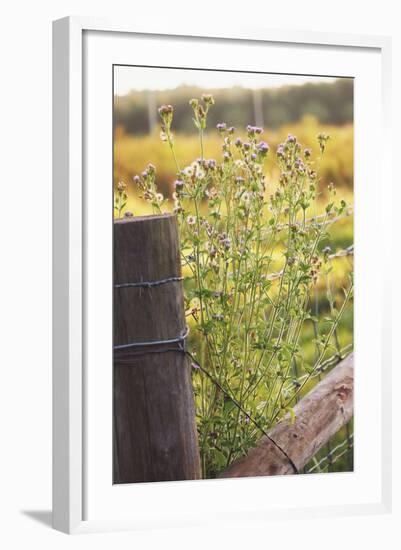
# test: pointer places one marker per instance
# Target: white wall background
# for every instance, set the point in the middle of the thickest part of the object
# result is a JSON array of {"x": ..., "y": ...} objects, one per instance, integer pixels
[{"x": 25, "y": 234}]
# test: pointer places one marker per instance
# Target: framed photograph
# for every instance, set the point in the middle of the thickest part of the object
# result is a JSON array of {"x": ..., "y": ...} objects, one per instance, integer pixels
[{"x": 219, "y": 317}]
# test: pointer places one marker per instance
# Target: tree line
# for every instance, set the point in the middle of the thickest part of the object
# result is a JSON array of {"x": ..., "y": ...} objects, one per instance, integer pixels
[{"x": 329, "y": 103}]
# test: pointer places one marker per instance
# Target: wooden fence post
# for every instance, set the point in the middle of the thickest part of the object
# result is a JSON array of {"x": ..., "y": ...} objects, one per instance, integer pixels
[{"x": 154, "y": 430}]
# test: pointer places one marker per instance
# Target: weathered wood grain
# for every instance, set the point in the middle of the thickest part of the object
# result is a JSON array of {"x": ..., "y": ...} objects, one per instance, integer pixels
[
  {"x": 318, "y": 416},
  {"x": 154, "y": 431}
]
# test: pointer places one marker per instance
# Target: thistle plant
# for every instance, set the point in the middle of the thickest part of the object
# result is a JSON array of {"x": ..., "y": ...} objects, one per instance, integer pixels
[
  {"x": 120, "y": 198},
  {"x": 253, "y": 253},
  {"x": 146, "y": 183}
]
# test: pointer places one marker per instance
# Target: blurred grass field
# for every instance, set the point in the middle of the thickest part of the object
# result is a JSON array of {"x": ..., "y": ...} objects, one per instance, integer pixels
[{"x": 133, "y": 152}]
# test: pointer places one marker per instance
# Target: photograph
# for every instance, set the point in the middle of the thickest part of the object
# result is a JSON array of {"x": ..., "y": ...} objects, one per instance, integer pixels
[{"x": 232, "y": 210}]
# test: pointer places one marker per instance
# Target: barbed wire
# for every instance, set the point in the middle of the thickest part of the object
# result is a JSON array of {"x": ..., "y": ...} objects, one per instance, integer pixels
[
  {"x": 314, "y": 221},
  {"x": 331, "y": 361},
  {"x": 349, "y": 251},
  {"x": 331, "y": 457}
]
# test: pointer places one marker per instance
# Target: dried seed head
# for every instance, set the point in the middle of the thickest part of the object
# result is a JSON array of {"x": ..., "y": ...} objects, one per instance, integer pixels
[
  {"x": 178, "y": 184},
  {"x": 166, "y": 110}
]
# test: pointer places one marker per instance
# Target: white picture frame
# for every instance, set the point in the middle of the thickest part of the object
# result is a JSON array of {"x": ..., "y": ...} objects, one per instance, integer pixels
[{"x": 74, "y": 478}]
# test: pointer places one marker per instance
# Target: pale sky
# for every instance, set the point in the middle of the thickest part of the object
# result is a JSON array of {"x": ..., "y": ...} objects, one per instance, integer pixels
[{"x": 149, "y": 78}]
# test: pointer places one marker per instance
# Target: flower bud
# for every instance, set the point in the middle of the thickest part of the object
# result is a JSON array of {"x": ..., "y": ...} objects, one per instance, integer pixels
[
  {"x": 208, "y": 99},
  {"x": 166, "y": 114},
  {"x": 166, "y": 110}
]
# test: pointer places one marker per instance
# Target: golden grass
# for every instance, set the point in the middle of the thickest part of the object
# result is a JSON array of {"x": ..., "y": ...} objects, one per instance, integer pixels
[{"x": 133, "y": 153}]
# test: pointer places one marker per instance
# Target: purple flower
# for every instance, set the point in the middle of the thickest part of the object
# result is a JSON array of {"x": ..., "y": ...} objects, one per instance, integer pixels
[
  {"x": 238, "y": 142},
  {"x": 145, "y": 174},
  {"x": 307, "y": 153},
  {"x": 262, "y": 147},
  {"x": 221, "y": 126},
  {"x": 252, "y": 130},
  {"x": 299, "y": 165},
  {"x": 211, "y": 164},
  {"x": 136, "y": 180},
  {"x": 280, "y": 151},
  {"x": 231, "y": 130},
  {"x": 226, "y": 243},
  {"x": 291, "y": 138},
  {"x": 247, "y": 146},
  {"x": 178, "y": 184},
  {"x": 253, "y": 156}
]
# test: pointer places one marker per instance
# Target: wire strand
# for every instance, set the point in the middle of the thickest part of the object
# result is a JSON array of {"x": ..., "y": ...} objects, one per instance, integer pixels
[
  {"x": 149, "y": 284},
  {"x": 177, "y": 340}
]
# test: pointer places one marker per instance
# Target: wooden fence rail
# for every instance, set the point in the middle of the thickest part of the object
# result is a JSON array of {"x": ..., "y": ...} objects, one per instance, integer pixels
[{"x": 318, "y": 416}]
